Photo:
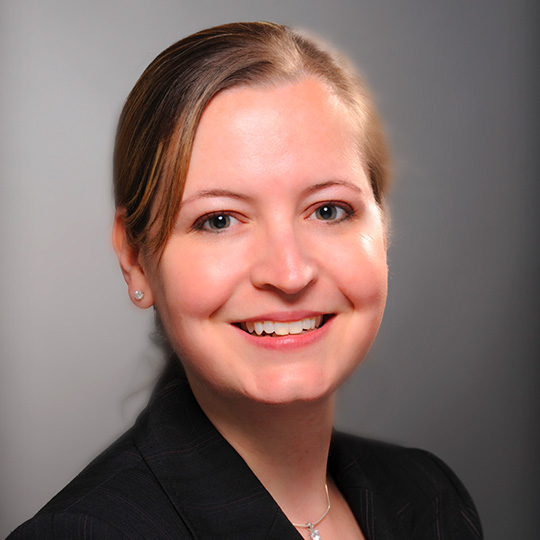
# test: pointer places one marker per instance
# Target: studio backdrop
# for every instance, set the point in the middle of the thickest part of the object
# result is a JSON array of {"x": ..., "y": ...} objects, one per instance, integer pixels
[{"x": 454, "y": 369}]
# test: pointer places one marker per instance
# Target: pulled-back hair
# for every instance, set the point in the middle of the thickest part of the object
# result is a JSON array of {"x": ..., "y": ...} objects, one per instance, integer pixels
[{"x": 160, "y": 117}]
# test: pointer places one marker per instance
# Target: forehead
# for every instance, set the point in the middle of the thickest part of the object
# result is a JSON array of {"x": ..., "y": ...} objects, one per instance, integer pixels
[{"x": 297, "y": 129}]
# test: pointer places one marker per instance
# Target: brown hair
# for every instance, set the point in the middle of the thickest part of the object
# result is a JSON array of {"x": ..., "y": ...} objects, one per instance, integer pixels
[{"x": 161, "y": 115}]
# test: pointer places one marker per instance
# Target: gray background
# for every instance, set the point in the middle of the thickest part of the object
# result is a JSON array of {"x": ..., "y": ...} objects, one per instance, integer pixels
[{"x": 455, "y": 367}]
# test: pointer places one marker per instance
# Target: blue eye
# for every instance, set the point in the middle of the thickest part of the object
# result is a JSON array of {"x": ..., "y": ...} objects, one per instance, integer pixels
[
  {"x": 332, "y": 212},
  {"x": 218, "y": 222},
  {"x": 214, "y": 222},
  {"x": 326, "y": 212}
]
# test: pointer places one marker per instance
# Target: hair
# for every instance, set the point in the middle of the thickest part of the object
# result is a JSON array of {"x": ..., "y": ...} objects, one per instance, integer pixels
[{"x": 160, "y": 117}]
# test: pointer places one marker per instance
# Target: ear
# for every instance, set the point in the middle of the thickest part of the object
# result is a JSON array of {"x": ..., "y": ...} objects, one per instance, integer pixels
[{"x": 130, "y": 263}]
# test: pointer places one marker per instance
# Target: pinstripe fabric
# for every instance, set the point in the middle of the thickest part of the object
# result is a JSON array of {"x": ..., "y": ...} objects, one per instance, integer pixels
[
  {"x": 402, "y": 493},
  {"x": 173, "y": 476}
]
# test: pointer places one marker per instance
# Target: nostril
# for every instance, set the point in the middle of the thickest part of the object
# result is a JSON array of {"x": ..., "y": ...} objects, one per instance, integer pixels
[{"x": 282, "y": 266}]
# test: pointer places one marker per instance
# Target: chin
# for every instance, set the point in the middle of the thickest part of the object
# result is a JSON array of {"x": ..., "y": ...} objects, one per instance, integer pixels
[{"x": 297, "y": 388}]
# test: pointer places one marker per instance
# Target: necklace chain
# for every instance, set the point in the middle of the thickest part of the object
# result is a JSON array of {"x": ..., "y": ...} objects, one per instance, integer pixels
[{"x": 310, "y": 525}]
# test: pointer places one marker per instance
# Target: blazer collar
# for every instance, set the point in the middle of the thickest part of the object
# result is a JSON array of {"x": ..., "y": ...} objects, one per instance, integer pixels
[
  {"x": 211, "y": 487},
  {"x": 374, "y": 503},
  {"x": 209, "y": 484}
]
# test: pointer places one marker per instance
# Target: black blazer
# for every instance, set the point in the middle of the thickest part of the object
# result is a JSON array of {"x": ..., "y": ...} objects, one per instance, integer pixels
[{"x": 173, "y": 476}]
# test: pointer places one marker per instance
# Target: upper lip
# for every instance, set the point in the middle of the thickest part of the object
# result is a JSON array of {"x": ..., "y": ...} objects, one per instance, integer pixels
[{"x": 284, "y": 316}]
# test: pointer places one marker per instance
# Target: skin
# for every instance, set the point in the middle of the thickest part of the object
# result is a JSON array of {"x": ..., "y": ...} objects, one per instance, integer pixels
[{"x": 278, "y": 222}]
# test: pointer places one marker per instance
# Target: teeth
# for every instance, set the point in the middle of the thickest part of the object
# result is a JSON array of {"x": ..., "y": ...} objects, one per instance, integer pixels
[
  {"x": 268, "y": 327},
  {"x": 282, "y": 328},
  {"x": 296, "y": 327}
]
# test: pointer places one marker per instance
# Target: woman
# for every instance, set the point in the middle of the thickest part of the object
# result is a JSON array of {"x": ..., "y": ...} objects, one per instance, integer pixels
[{"x": 250, "y": 175}]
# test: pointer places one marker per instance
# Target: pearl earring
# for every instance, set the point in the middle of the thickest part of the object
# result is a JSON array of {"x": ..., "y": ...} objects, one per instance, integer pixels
[{"x": 138, "y": 295}]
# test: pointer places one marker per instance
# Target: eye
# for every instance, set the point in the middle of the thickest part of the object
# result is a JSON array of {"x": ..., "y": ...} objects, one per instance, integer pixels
[
  {"x": 214, "y": 222},
  {"x": 331, "y": 212},
  {"x": 218, "y": 222}
]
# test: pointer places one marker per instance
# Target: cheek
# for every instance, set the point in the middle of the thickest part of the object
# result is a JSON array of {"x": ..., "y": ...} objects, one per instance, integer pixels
[
  {"x": 197, "y": 282},
  {"x": 376, "y": 266},
  {"x": 361, "y": 271}
]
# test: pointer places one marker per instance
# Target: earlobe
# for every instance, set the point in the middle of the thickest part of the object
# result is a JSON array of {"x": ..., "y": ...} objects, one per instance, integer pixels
[{"x": 128, "y": 255}]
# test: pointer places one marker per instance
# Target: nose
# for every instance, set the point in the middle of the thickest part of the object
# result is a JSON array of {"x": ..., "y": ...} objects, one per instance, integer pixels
[{"x": 283, "y": 262}]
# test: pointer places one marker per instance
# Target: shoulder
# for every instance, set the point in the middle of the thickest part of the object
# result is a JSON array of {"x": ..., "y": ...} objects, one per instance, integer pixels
[
  {"x": 385, "y": 462},
  {"x": 407, "y": 478},
  {"x": 115, "y": 497}
]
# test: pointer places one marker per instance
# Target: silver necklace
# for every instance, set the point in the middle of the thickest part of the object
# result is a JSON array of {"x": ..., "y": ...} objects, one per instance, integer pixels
[{"x": 310, "y": 526}]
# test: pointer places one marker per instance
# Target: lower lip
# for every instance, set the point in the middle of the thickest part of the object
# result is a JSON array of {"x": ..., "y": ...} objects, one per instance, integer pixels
[{"x": 291, "y": 341}]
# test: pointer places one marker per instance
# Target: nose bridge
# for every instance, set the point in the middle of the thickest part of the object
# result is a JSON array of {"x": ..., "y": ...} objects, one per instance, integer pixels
[{"x": 283, "y": 260}]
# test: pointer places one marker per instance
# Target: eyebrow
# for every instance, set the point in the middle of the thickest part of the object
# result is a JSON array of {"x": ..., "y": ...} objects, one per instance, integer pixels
[
  {"x": 209, "y": 193},
  {"x": 332, "y": 183}
]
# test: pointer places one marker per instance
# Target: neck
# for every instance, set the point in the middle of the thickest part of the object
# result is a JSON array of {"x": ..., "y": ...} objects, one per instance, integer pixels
[{"x": 286, "y": 447}]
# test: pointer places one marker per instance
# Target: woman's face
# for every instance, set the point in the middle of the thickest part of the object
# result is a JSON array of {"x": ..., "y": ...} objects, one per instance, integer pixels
[{"x": 273, "y": 283}]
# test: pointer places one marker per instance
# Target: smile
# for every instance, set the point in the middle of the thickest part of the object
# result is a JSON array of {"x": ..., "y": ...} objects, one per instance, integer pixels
[{"x": 278, "y": 328}]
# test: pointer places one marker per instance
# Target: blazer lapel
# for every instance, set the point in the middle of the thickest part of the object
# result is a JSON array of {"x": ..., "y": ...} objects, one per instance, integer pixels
[
  {"x": 382, "y": 510},
  {"x": 210, "y": 486}
]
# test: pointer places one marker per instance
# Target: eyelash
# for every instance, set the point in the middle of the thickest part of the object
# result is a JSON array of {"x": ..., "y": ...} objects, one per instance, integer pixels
[
  {"x": 201, "y": 223},
  {"x": 347, "y": 209}
]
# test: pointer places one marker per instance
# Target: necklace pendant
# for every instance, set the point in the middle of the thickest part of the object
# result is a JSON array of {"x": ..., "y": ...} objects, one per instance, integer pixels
[{"x": 313, "y": 532}]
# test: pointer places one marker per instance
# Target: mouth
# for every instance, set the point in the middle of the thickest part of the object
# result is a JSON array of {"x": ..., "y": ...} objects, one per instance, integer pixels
[{"x": 285, "y": 328}]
